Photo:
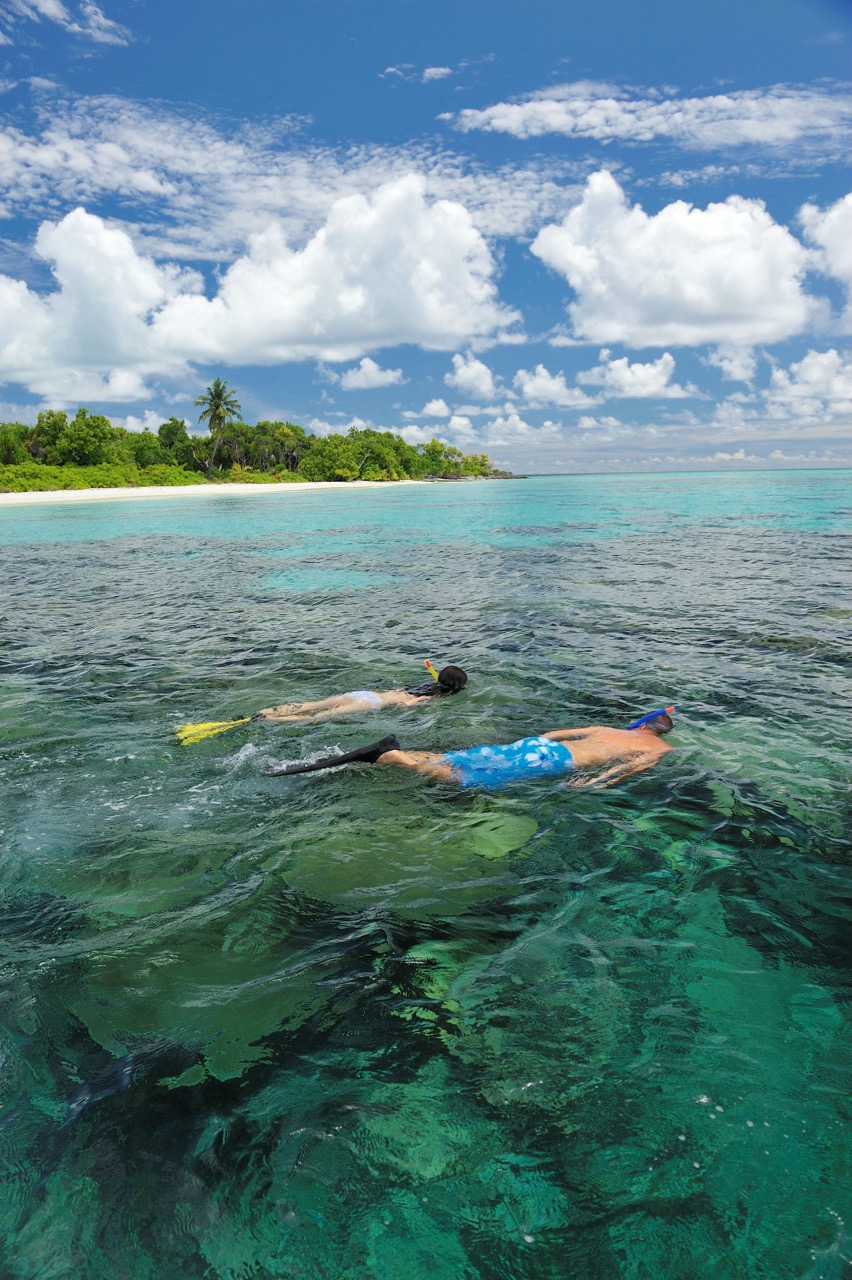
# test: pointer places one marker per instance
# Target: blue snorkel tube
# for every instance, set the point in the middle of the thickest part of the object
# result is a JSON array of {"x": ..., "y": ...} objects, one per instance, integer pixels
[{"x": 652, "y": 715}]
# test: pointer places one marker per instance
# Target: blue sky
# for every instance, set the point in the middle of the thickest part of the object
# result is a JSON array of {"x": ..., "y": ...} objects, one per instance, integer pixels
[{"x": 590, "y": 236}]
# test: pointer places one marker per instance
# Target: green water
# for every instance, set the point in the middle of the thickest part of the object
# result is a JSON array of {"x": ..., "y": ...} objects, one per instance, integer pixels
[{"x": 358, "y": 1024}]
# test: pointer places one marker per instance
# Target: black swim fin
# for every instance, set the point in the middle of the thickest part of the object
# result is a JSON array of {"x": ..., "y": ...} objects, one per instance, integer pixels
[{"x": 368, "y": 755}]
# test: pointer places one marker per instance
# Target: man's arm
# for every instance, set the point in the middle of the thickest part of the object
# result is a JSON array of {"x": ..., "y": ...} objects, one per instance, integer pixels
[{"x": 618, "y": 771}]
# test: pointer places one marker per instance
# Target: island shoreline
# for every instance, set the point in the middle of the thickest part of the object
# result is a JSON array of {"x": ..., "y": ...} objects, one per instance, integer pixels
[{"x": 32, "y": 496}]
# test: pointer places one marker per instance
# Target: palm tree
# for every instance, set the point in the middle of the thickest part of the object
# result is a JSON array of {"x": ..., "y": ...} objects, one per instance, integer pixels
[{"x": 220, "y": 405}]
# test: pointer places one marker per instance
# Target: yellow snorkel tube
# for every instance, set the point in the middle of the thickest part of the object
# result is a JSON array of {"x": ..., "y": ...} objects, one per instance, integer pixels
[{"x": 432, "y": 672}]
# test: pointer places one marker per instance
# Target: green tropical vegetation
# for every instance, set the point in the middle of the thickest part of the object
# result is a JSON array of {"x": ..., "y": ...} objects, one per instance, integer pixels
[
  {"x": 220, "y": 409},
  {"x": 87, "y": 452}
]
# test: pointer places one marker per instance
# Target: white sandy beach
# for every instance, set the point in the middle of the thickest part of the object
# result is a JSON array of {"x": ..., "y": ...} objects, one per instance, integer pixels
[{"x": 185, "y": 490}]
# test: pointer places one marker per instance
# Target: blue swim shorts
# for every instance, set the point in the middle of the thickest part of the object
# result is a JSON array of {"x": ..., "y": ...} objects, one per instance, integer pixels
[
  {"x": 498, "y": 765},
  {"x": 365, "y": 695}
]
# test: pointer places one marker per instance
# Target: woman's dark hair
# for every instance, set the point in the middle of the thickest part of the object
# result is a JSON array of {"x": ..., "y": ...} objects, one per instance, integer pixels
[
  {"x": 660, "y": 724},
  {"x": 452, "y": 678}
]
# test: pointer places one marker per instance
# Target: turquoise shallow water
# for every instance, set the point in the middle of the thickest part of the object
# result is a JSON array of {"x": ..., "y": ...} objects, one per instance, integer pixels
[{"x": 356, "y": 1024}]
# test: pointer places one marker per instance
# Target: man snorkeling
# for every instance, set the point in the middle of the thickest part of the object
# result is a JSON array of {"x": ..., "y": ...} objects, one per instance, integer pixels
[
  {"x": 603, "y": 754},
  {"x": 448, "y": 680}
]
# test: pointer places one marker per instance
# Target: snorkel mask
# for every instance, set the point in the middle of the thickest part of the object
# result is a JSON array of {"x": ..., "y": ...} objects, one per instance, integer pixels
[
  {"x": 454, "y": 681},
  {"x": 652, "y": 715}
]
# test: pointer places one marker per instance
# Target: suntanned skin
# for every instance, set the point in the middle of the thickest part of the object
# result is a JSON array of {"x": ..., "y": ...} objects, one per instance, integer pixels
[
  {"x": 608, "y": 754},
  {"x": 340, "y": 704}
]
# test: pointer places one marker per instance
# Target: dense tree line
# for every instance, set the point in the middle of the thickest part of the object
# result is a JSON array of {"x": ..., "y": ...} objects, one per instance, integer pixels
[{"x": 268, "y": 451}]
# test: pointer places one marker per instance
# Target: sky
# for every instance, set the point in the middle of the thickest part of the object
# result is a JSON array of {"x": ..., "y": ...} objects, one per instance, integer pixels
[{"x": 576, "y": 235}]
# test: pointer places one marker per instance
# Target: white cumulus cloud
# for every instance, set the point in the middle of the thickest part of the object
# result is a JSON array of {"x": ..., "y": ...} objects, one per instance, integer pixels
[
  {"x": 436, "y": 409},
  {"x": 150, "y": 421},
  {"x": 738, "y": 364},
  {"x": 471, "y": 377},
  {"x": 620, "y": 378},
  {"x": 831, "y": 230},
  {"x": 368, "y": 374},
  {"x": 589, "y": 423},
  {"x": 393, "y": 268},
  {"x": 459, "y": 431},
  {"x": 684, "y": 276},
  {"x": 540, "y": 387},
  {"x": 92, "y": 337},
  {"x": 511, "y": 428},
  {"x": 817, "y": 387}
]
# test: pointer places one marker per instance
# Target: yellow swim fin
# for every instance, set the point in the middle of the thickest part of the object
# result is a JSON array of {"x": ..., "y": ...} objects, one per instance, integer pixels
[{"x": 187, "y": 734}]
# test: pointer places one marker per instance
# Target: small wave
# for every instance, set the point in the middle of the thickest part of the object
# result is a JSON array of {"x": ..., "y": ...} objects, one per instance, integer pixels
[{"x": 246, "y": 753}]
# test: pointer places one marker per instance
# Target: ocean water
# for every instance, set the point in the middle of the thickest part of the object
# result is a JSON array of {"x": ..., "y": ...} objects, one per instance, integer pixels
[{"x": 358, "y": 1024}]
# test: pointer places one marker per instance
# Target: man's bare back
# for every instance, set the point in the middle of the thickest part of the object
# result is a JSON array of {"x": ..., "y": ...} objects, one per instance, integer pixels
[{"x": 625, "y": 751}]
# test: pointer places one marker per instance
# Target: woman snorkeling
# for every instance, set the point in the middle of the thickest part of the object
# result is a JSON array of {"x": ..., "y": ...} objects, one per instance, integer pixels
[{"x": 450, "y": 679}]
